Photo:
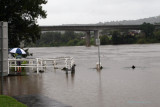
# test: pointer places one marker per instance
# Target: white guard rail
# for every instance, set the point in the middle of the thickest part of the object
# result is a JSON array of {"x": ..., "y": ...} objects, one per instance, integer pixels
[{"x": 66, "y": 63}]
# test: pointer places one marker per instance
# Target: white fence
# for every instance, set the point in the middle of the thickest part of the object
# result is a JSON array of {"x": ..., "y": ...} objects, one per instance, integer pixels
[{"x": 66, "y": 63}]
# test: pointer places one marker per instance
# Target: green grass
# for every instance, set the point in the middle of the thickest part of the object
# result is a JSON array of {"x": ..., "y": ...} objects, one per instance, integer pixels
[{"x": 6, "y": 101}]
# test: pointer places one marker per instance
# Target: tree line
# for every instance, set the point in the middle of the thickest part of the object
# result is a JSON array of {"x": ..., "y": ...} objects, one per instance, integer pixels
[
  {"x": 148, "y": 34},
  {"x": 68, "y": 38}
]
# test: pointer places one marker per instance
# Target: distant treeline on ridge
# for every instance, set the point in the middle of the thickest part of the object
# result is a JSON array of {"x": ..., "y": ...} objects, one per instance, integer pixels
[{"x": 148, "y": 34}]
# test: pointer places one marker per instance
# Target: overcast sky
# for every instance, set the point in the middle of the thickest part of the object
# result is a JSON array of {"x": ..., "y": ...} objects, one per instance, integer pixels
[{"x": 93, "y": 11}]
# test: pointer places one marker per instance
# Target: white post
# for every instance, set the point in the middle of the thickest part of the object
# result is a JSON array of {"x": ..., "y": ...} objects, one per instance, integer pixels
[
  {"x": 37, "y": 65},
  {"x": 41, "y": 64},
  {"x": 99, "y": 57},
  {"x": 45, "y": 65},
  {"x": 54, "y": 64},
  {"x": 72, "y": 62},
  {"x": 15, "y": 64},
  {"x": 8, "y": 66},
  {"x": 98, "y": 44},
  {"x": 32, "y": 65},
  {"x": 66, "y": 65}
]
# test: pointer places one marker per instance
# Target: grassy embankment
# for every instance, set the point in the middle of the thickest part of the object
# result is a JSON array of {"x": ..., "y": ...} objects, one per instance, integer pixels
[{"x": 6, "y": 101}]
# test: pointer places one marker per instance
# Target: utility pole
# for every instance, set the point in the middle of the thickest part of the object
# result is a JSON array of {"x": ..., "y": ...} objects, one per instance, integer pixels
[
  {"x": 1, "y": 57},
  {"x": 3, "y": 51}
]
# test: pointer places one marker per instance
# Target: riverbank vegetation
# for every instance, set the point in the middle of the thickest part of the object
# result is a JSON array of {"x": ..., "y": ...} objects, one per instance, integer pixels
[
  {"x": 6, "y": 101},
  {"x": 147, "y": 34}
]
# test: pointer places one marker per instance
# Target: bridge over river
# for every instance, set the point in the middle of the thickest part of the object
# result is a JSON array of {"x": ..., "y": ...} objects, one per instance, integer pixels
[{"x": 95, "y": 28}]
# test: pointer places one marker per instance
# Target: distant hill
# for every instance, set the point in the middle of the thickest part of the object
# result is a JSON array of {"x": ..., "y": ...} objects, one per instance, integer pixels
[{"x": 152, "y": 20}]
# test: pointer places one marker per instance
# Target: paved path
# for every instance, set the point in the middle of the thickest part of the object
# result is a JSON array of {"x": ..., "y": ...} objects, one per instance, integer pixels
[{"x": 38, "y": 101}]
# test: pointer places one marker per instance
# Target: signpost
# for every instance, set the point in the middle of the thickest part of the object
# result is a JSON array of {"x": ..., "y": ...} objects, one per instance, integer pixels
[{"x": 98, "y": 44}]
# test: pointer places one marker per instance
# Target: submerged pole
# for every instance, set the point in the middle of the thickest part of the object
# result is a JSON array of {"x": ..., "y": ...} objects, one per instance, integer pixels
[
  {"x": 99, "y": 58},
  {"x": 37, "y": 65},
  {"x": 99, "y": 61}
]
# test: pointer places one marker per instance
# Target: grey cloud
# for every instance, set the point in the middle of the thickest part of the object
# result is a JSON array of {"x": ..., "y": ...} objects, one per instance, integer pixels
[{"x": 93, "y": 11}]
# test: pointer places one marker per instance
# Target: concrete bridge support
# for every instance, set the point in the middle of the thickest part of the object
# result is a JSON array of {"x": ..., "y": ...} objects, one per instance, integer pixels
[{"x": 88, "y": 36}]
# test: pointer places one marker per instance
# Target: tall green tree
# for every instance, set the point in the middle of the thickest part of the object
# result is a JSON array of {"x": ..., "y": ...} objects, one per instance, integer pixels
[
  {"x": 104, "y": 40},
  {"x": 68, "y": 35},
  {"x": 22, "y": 16},
  {"x": 157, "y": 34},
  {"x": 148, "y": 29},
  {"x": 116, "y": 37}
]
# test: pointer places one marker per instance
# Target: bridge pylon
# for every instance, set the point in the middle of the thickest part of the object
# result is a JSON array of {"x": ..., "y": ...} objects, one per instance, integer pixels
[{"x": 88, "y": 36}]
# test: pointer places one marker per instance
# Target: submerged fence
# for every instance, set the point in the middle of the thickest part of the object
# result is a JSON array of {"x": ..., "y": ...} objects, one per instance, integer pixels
[{"x": 64, "y": 63}]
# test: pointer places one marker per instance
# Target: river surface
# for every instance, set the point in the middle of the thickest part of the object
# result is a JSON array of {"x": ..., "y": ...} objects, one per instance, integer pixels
[{"x": 116, "y": 85}]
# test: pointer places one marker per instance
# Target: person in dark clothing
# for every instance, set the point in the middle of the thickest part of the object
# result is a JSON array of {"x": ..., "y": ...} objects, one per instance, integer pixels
[{"x": 18, "y": 56}]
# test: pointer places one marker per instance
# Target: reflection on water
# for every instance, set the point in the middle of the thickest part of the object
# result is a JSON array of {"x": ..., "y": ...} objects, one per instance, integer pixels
[
  {"x": 21, "y": 85},
  {"x": 100, "y": 90},
  {"x": 70, "y": 77},
  {"x": 116, "y": 85}
]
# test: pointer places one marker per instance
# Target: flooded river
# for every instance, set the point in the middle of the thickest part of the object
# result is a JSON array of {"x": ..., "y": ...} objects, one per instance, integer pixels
[{"x": 116, "y": 85}]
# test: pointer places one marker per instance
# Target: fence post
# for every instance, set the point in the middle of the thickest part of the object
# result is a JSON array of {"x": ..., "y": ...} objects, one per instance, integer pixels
[
  {"x": 8, "y": 66},
  {"x": 37, "y": 65},
  {"x": 15, "y": 62}
]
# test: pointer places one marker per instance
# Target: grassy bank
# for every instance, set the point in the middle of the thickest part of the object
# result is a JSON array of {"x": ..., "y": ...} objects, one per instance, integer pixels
[{"x": 6, "y": 101}]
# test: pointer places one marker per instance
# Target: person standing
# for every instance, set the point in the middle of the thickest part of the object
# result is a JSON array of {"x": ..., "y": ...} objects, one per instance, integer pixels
[{"x": 19, "y": 56}]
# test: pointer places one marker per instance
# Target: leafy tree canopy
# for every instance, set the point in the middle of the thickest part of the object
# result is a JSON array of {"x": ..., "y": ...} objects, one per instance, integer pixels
[
  {"x": 104, "y": 40},
  {"x": 22, "y": 16},
  {"x": 148, "y": 29}
]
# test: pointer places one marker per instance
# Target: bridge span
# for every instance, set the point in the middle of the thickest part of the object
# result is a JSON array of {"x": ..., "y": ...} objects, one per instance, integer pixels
[
  {"x": 88, "y": 28},
  {"x": 91, "y": 27}
]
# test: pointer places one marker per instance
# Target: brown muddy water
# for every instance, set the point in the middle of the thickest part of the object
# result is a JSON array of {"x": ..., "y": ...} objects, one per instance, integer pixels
[{"x": 116, "y": 85}]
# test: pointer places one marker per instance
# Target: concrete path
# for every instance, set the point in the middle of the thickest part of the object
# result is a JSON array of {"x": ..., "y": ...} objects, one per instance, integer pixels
[{"x": 38, "y": 101}]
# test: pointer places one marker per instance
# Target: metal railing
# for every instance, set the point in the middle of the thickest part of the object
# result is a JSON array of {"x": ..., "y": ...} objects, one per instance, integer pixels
[{"x": 66, "y": 63}]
